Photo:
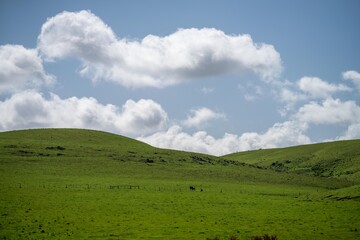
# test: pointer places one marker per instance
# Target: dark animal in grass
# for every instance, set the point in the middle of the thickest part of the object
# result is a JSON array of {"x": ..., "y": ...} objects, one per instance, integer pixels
[{"x": 192, "y": 188}]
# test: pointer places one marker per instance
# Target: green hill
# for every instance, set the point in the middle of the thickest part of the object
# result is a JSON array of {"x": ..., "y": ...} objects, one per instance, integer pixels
[
  {"x": 74, "y": 152},
  {"x": 340, "y": 159},
  {"x": 83, "y": 184},
  {"x": 86, "y": 147}
]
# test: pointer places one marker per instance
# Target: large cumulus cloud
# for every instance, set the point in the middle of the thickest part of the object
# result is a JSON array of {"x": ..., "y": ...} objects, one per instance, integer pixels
[
  {"x": 79, "y": 34},
  {"x": 154, "y": 61}
]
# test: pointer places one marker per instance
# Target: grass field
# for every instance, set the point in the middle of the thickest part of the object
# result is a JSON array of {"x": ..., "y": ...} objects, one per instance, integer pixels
[{"x": 82, "y": 184}]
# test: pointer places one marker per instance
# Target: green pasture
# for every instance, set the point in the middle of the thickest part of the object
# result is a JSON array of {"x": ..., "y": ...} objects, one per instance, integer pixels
[{"x": 82, "y": 184}]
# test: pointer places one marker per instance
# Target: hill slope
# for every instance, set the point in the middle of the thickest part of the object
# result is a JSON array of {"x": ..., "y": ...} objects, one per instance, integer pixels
[
  {"x": 78, "y": 152},
  {"x": 85, "y": 144},
  {"x": 339, "y": 159},
  {"x": 84, "y": 184}
]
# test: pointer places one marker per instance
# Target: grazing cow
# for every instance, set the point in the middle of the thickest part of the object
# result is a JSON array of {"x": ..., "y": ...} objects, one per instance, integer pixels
[{"x": 192, "y": 188}]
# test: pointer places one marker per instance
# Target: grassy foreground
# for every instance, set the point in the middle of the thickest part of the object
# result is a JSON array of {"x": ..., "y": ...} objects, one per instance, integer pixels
[{"x": 82, "y": 184}]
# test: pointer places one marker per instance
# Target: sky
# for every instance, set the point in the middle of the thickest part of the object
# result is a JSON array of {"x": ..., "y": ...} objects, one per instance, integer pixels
[{"x": 214, "y": 77}]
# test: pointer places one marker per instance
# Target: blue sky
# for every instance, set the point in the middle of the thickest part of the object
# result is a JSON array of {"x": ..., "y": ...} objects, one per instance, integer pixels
[{"x": 206, "y": 76}]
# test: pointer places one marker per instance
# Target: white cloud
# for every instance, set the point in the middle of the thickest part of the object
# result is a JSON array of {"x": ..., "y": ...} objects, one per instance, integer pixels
[
  {"x": 288, "y": 133},
  {"x": 20, "y": 69},
  {"x": 309, "y": 88},
  {"x": 354, "y": 76},
  {"x": 31, "y": 109},
  {"x": 330, "y": 111},
  {"x": 142, "y": 117},
  {"x": 80, "y": 34},
  {"x": 291, "y": 132},
  {"x": 290, "y": 96},
  {"x": 175, "y": 138},
  {"x": 305, "y": 89},
  {"x": 318, "y": 88},
  {"x": 280, "y": 135},
  {"x": 199, "y": 117},
  {"x": 154, "y": 61}
]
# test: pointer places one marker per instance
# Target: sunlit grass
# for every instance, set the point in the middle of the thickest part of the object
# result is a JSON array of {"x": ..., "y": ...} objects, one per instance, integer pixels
[{"x": 55, "y": 184}]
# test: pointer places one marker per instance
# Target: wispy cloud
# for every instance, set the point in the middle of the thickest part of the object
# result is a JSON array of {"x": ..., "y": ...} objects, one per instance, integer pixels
[
  {"x": 207, "y": 90},
  {"x": 251, "y": 91},
  {"x": 318, "y": 88},
  {"x": 354, "y": 76},
  {"x": 201, "y": 116}
]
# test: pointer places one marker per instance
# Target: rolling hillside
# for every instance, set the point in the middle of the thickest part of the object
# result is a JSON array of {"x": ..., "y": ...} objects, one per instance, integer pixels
[
  {"x": 95, "y": 153},
  {"x": 80, "y": 144},
  {"x": 339, "y": 159},
  {"x": 84, "y": 184}
]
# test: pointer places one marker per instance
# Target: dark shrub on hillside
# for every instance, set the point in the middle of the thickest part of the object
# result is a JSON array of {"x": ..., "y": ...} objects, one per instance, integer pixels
[
  {"x": 265, "y": 237},
  {"x": 217, "y": 238}
]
